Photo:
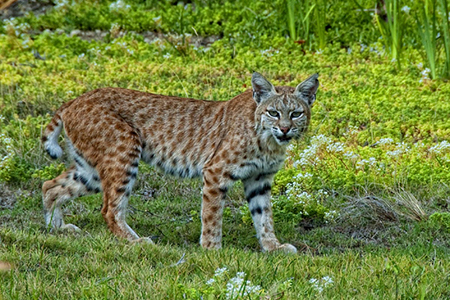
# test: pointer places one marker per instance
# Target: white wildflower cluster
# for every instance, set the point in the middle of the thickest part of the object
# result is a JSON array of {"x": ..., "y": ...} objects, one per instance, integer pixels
[
  {"x": 330, "y": 216},
  {"x": 295, "y": 193},
  {"x": 201, "y": 49},
  {"x": 371, "y": 162},
  {"x": 167, "y": 55},
  {"x": 363, "y": 47},
  {"x": 385, "y": 141},
  {"x": 400, "y": 149},
  {"x": 309, "y": 155},
  {"x": 350, "y": 155},
  {"x": 12, "y": 27},
  {"x": 95, "y": 50},
  {"x": 320, "y": 284},
  {"x": 217, "y": 274},
  {"x": 425, "y": 75},
  {"x": 406, "y": 9},
  {"x": 302, "y": 176},
  {"x": 158, "y": 43},
  {"x": 378, "y": 51},
  {"x": 62, "y": 4},
  {"x": 119, "y": 5},
  {"x": 440, "y": 148},
  {"x": 115, "y": 30},
  {"x": 239, "y": 287},
  {"x": 290, "y": 147},
  {"x": 269, "y": 52},
  {"x": 373, "y": 48},
  {"x": 81, "y": 56},
  {"x": 27, "y": 42},
  {"x": 337, "y": 147},
  {"x": 6, "y": 143},
  {"x": 220, "y": 272},
  {"x": 121, "y": 44}
]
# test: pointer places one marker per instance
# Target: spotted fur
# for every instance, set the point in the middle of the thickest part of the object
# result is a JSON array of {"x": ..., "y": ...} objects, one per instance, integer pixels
[{"x": 109, "y": 130}]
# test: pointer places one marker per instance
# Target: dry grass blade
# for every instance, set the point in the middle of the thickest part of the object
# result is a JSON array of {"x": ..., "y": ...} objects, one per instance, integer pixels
[
  {"x": 6, "y": 3},
  {"x": 372, "y": 209},
  {"x": 409, "y": 206}
]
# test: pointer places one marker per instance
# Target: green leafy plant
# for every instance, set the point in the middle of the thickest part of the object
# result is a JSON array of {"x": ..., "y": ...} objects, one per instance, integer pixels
[{"x": 392, "y": 29}]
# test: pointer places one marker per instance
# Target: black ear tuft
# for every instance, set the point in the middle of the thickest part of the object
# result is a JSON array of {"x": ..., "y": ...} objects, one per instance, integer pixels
[
  {"x": 307, "y": 89},
  {"x": 262, "y": 88}
]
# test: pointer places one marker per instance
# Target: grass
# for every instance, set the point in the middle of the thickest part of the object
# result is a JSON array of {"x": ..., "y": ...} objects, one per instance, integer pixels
[
  {"x": 364, "y": 196},
  {"x": 402, "y": 259}
]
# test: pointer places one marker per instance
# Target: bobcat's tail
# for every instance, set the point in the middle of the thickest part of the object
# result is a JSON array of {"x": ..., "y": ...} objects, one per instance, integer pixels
[
  {"x": 52, "y": 132},
  {"x": 51, "y": 135}
]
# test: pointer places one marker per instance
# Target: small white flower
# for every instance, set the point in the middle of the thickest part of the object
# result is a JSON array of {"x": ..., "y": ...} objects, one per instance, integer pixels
[
  {"x": 119, "y": 5},
  {"x": 210, "y": 281},
  {"x": 363, "y": 47},
  {"x": 440, "y": 148},
  {"x": 236, "y": 287},
  {"x": 220, "y": 271},
  {"x": 320, "y": 284},
  {"x": 350, "y": 155},
  {"x": 335, "y": 147},
  {"x": 425, "y": 72},
  {"x": 303, "y": 176},
  {"x": 406, "y": 9},
  {"x": 167, "y": 55},
  {"x": 420, "y": 65},
  {"x": 385, "y": 141}
]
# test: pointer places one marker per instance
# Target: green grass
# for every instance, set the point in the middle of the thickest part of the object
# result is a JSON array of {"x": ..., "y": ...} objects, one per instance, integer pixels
[
  {"x": 404, "y": 259},
  {"x": 364, "y": 196}
]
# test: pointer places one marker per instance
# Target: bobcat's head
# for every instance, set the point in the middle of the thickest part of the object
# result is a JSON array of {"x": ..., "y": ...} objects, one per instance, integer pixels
[{"x": 283, "y": 112}]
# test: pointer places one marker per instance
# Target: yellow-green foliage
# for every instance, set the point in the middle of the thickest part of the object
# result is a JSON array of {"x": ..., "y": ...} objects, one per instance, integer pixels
[{"x": 440, "y": 220}]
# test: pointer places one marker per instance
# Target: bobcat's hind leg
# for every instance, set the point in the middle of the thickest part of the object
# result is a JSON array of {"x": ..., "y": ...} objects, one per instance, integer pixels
[
  {"x": 71, "y": 184},
  {"x": 118, "y": 173}
]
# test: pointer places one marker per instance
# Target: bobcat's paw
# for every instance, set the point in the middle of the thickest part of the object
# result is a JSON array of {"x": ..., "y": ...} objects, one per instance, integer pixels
[
  {"x": 70, "y": 227},
  {"x": 287, "y": 248}
]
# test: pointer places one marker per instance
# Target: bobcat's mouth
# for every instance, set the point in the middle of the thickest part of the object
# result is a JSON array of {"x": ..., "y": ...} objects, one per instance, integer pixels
[{"x": 283, "y": 139}]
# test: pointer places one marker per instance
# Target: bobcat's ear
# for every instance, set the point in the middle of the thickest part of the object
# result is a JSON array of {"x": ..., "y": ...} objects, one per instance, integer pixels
[
  {"x": 262, "y": 88},
  {"x": 307, "y": 89}
]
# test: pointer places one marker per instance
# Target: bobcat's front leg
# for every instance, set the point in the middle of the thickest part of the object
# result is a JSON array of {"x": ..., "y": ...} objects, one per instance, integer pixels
[
  {"x": 257, "y": 192},
  {"x": 214, "y": 191}
]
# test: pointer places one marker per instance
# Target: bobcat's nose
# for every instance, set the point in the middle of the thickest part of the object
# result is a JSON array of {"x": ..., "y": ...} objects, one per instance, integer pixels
[{"x": 284, "y": 129}]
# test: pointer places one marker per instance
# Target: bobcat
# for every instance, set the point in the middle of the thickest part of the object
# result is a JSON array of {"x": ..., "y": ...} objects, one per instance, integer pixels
[{"x": 109, "y": 130}]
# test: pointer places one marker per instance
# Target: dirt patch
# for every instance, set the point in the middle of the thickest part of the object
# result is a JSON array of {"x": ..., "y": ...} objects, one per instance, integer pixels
[
  {"x": 7, "y": 197},
  {"x": 21, "y": 7}
]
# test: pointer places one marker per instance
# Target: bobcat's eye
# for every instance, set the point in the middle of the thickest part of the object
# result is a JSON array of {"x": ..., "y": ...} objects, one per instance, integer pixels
[
  {"x": 273, "y": 113},
  {"x": 296, "y": 114}
]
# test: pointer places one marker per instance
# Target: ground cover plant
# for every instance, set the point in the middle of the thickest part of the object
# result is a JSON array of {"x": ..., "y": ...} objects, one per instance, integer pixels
[{"x": 364, "y": 197}]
